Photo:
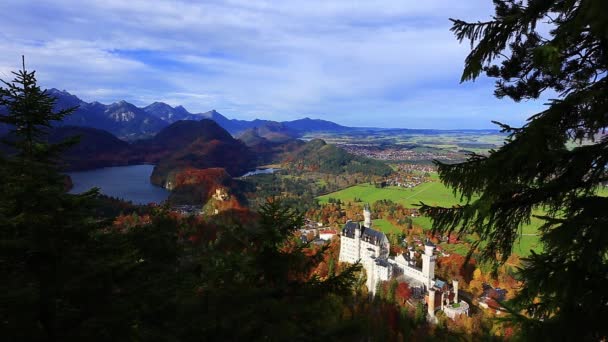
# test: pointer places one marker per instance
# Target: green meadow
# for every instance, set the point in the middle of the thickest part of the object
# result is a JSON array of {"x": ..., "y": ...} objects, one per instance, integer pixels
[
  {"x": 385, "y": 226},
  {"x": 432, "y": 193}
]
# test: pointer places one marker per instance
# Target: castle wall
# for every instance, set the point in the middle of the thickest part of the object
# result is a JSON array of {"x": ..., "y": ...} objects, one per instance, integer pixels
[
  {"x": 372, "y": 248},
  {"x": 349, "y": 250}
]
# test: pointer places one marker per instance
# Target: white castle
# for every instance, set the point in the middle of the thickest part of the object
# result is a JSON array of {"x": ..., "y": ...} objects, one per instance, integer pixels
[
  {"x": 359, "y": 242},
  {"x": 371, "y": 247}
]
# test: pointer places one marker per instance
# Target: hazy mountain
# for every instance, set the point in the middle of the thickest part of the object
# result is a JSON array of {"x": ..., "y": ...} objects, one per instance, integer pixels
[
  {"x": 128, "y": 121},
  {"x": 271, "y": 131},
  {"x": 271, "y": 141},
  {"x": 315, "y": 125},
  {"x": 122, "y": 119},
  {"x": 170, "y": 114},
  {"x": 234, "y": 126},
  {"x": 131, "y": 121}
]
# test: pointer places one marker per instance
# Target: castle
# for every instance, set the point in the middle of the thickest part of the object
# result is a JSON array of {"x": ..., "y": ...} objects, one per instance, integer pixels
[{"x": 359, "y": 242}]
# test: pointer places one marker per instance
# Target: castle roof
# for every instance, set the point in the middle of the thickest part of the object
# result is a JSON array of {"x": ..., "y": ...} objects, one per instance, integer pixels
[
  {"x": 429, "y": 243},
  {"x": 382, "y": 262},
  {"x": 367, "y": 234},
  {"x": 349, "y": 229}
]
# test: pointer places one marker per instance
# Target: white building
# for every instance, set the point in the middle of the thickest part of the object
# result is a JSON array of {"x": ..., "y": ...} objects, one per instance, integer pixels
[
  {"x": 359, "y": 242},
  {"x": 326, "y": 234}
]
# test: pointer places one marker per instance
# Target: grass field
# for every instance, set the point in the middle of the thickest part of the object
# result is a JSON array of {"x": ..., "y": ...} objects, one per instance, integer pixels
[
  {"x": 432, "y": 193},
  {"x": 385, "y": 226}
]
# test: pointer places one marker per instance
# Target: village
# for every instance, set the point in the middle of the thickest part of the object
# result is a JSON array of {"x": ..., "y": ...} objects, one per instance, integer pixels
[{"x": 399, "y": 153}]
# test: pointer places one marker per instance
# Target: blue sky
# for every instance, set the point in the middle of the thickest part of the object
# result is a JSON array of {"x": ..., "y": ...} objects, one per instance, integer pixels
[{"x": 358, "y": 63}]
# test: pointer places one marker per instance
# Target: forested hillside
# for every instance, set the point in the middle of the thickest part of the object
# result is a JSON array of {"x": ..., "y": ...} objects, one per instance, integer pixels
[{"x": 318, "y": 156}]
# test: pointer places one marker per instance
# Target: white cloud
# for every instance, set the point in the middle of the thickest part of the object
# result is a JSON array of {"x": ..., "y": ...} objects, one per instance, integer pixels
[{"x": 280, "y": 59}]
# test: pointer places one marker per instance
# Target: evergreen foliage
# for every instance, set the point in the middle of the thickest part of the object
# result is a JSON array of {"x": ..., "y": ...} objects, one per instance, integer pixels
[
  {"x": 534, "y": 47},
  {"x": 259, "y": 276},
  {"x": 70, "y": 275},
  {"x": 46, "y": 248}
]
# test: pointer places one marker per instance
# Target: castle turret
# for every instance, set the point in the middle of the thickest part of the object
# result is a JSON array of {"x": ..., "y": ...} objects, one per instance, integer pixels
[
  {"x": 412, "y": 256},
  {"x": 431, "y": 303},
  {"x": 358, "y": 240},
  {"x": 367, "y": 216},
  {"x": 428, "y": 263},
  {"x": 455, "y": 288},
  {"x": 429, "y": 248}
]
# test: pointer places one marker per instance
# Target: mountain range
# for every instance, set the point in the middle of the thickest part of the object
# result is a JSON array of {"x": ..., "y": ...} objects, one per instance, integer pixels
[
  {"x": 130, "y": 122},
  {"x": 184, "y": 144}
]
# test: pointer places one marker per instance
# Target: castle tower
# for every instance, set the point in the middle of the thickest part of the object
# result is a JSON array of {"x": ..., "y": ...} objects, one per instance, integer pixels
[
  {"x": 431, "y": 303},
  {"x": 358, "y": 241},
  {"x": 412, "y": 256},
  {"x": 367, "y": 216},
  {"x": 455, "y": 286},
  {"x": 428, "y": 263}
]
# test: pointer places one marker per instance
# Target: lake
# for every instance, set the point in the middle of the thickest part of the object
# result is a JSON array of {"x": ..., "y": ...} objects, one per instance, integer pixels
[{"x": 131, "y": 183}]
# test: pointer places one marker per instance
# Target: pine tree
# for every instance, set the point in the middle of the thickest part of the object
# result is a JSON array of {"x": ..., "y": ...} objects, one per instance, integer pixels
[
  {"x": 554, "y": 164},
  {"x": 46, "y": 254},
  {"x": 259, "y": 277}
]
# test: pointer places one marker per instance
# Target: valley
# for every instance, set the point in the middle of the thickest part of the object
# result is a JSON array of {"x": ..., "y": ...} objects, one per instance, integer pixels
[
  {"x": 198, "y": 156},
  {"x": 304, "y": 170},
  {"x": 207, "y": 168}
]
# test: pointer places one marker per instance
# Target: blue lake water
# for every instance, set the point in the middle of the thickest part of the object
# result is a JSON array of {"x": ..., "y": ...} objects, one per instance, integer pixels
[{"x": 131, "y": 183}]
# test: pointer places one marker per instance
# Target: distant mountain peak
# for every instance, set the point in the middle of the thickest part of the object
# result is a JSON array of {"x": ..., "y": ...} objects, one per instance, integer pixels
[
  {"x": 56, "y": 91},
  {"x": 63, "y": 93},
  {"x": 126, "y": 120},
  {"x": 213, "y": 114}
]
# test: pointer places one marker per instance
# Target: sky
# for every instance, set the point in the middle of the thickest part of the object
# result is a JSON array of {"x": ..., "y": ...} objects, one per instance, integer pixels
[{"x": 358, "y": 63}]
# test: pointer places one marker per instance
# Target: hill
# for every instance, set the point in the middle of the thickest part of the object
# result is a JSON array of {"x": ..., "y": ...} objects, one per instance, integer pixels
[
  {"x": 270, "y": 142},
  {"x": 184, "y": 144},
  {"x": 184, "y": 132},
  {"x": 315, "y": 125},
  {"x": 195, "y": 144},
  {"x": 270, "y": 131},
  {"x": 195, "y": 186},
  {"x": 96, "y": 148},
  {"x": 317, "y": 155}
]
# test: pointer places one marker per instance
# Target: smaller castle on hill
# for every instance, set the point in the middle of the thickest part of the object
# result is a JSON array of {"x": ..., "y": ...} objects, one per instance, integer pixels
[{"x": 360, "y": 242}]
